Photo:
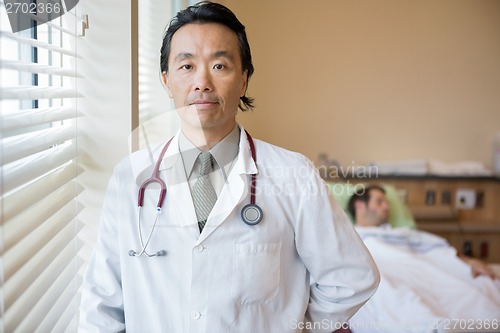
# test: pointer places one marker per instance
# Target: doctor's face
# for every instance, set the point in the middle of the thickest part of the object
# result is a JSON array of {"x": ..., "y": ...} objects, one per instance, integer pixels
[{"x": 205, "y": 77}]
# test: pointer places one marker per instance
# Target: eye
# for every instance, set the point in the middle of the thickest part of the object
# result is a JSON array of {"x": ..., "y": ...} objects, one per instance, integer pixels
[
  {"x": 219, "y": 67},
  {"x": 186, "y": 67}
]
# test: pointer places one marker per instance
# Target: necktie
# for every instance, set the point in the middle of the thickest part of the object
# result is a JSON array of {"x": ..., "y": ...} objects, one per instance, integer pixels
[{"x": 204, "y": 196}]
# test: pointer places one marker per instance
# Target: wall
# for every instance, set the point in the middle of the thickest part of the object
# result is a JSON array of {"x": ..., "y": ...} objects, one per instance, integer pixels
[
  {"x": 375, "y": 80},
  {"x": 106, "y": 84}
]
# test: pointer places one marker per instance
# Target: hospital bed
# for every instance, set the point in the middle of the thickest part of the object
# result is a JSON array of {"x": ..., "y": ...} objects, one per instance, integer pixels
[{"x": 424, "y": 286}]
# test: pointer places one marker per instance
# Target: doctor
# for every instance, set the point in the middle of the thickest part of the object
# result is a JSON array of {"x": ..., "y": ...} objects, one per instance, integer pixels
[{"x": 302, "y": 268}]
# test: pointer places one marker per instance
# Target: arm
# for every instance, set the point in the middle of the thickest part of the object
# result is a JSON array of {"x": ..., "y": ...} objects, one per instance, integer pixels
[
  {"x": 478, "y": 267},
  {"x": 343, "y": 271},
  {"x": 101, "y": 308}
]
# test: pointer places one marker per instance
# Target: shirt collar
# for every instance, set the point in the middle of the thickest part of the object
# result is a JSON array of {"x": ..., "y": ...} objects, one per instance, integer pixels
[
  {"x": 227, "y": 149},
  {"x": 189, "y": 153},
  {"x": 224, "y": 152}
]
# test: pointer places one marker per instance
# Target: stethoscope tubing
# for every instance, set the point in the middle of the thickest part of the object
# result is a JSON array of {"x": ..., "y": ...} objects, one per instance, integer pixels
[
  {"x": 254, "y": 175},
  {"x": 155, "y": 178}
]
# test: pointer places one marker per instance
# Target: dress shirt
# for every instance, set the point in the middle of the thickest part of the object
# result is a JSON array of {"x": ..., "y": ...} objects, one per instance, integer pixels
[{"x": 224, "y": 154}]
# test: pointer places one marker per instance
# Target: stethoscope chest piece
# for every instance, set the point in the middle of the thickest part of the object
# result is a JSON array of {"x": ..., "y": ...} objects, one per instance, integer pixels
[{"x": 251, "y": 214}]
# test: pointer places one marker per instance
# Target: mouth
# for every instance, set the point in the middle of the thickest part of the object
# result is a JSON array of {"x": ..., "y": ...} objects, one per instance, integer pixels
[{"x": 203, "y": 103}]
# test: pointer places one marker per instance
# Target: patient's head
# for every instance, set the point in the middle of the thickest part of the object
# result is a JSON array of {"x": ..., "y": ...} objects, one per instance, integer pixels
[{"x": 369, "y": 206}]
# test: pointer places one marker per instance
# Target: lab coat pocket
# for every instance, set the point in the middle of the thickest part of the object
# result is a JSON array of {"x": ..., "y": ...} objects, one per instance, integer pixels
[{"x": 256, "y": 272}]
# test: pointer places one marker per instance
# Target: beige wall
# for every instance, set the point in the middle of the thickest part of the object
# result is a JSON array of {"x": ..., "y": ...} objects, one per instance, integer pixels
[{"x": 375, "y": 80}]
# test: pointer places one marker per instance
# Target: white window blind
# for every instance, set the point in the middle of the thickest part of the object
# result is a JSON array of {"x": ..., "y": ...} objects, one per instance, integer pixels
[{"x": 38, "y": 176}]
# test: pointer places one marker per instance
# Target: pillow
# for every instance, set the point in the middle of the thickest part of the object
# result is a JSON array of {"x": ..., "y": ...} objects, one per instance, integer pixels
[{"x": 399, "y": 213}]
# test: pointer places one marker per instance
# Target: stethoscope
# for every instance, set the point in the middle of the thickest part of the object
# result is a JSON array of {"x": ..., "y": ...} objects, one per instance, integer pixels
[{"x": 251, "y": 214}]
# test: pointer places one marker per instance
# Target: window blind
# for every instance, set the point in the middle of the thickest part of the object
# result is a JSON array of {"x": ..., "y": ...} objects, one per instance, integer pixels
[{"x": 39, "y": 175}]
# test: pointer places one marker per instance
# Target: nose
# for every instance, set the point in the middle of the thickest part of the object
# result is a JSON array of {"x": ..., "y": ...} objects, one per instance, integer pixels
[{"x": 203, "y": 80}]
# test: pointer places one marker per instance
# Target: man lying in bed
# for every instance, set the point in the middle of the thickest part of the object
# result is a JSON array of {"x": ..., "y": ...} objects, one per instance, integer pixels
[
  {"x": 370, "y": 208},
  {"x": 425, "y": 286}
]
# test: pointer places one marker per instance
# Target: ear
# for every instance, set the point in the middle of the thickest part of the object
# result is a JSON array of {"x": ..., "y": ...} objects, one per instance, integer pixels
[
  {"x": 360, "y": 207},
  {"x": 164, "y": 78},
  {"x": 244, "y": 83}
]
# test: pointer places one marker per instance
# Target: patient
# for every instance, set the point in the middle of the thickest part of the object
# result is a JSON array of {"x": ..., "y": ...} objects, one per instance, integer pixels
[
  {"x": 425, "y": 286},
  {"x": 370, "y": 208}
]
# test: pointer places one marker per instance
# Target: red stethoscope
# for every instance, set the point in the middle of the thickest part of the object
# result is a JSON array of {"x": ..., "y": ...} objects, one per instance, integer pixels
[{"x": 251, "y": 214}]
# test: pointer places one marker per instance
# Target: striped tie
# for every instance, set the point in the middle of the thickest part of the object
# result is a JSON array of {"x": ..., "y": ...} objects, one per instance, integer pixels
[{"x": 204, "y": 196}]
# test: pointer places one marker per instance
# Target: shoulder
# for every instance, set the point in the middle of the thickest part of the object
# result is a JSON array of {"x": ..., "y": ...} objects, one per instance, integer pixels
[
  {"x": 271, "y": 154},
  {"x": 283, "y": 165},
  {"x": 137, "y": 162}
]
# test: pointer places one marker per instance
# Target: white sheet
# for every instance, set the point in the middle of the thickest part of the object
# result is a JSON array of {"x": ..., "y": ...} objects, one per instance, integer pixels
[{"x": 424, "y": 287}]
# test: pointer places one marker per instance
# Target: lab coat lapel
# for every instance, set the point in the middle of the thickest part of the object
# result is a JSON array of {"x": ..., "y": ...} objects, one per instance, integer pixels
[
  {"x": 235, "y": 190},
  {"x": 178, "y": 192}
]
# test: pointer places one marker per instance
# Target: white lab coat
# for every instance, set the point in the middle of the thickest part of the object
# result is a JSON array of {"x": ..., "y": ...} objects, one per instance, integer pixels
[{"x": 233, "y": 277}]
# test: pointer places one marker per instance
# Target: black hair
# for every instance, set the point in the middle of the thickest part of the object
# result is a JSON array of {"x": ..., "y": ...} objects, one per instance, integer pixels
[
  {"x": 209, "y": 12},
  {"x": 363, "y": 195}
]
